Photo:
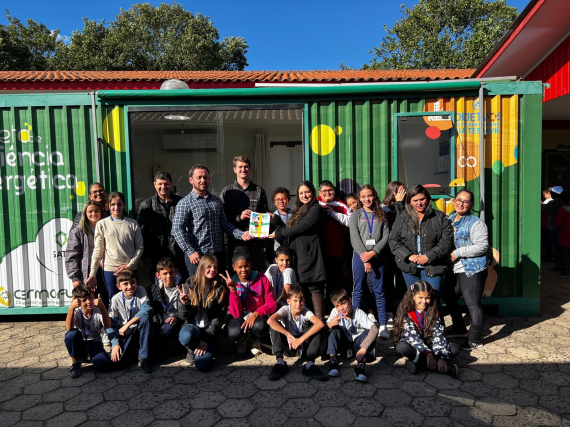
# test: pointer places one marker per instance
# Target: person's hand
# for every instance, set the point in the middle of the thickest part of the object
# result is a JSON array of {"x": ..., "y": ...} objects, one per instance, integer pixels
[
  {"x": 328, "y": 210},
  {"x": 101, "y": 264},
  {"x": 74, "y": 304},
  {"x": 171, "y": 320},
  {"x": 121, "y": 268},
  {"x": 248, "y": 323},
  {"x": 147, "y": 263},
  {"x": 335, "y": 320},
  {"x": 401, "y": 194},
  {"x": 367, "y": 256},
  {"x": 183, "y": 294},
  {"x": 91, "y": 283},
  {"x": 229, "y": 281},
  {"x": 413, "y": 258},
  {"x": 422, "y": 260},
  {"x": 76, "y": 283},
  {"x": 367, "y": 267},
  {"x": 201, "y": 349},
  {"x": 453, "y": 257},
  {"x": 245, "y": 214},
  {"x": 271, "y": 236},
  {"x": 246, "y": 236},
  {"x": 296, "y": 343},
  {"x": 290, "y": 339},
  {"x": 360, "y": 354},
  {"x": 116, "y": 353},
  {"x": 194, "y": 258},
  {"x": 123, "y": 330},
  {"x": 442, "y": 366},
  {"x": 431, "y": 362},
  {"x": 98, "y": 302}
]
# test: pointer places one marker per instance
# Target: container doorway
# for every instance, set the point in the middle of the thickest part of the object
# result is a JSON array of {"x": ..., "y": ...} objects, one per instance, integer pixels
[{"x": 173, "y": 140}]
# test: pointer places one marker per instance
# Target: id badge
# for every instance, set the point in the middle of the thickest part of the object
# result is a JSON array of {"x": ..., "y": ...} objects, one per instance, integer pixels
[
  {"x": 349, "y": 353},
  {"x": 370, "y": 242}
]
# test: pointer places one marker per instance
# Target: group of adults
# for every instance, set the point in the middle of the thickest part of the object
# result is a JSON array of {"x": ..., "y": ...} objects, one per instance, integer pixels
[{"x": 423, "y": 242}]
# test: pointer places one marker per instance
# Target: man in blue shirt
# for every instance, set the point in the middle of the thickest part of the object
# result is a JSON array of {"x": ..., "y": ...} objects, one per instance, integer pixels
[{"x": 199, "y": 222}]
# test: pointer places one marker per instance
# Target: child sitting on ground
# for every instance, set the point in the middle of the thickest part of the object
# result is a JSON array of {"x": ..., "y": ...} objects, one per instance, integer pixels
[
  {"x": 351, "y": 329},
  {"x": 85, "y": 320},
  {"x": 131, "y": 325},
  {"x": 203, "y": 299},
  {"x": 164, "y": 299},
  {"x": 251, "y": 301},
  {"x": 294, "y": 330},
  {"x": 419, "y": 335},
  {"x": 281, "y": 276}
]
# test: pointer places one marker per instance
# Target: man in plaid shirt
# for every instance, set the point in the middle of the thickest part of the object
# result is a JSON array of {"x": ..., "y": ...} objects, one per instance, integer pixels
[{"x": 199, "y": 220}]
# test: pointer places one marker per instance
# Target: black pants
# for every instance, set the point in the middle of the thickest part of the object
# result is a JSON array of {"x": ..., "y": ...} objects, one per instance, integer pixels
[
  {"x": 409, "y": 352},
  {"x": 259, "y": 329},
  {"x": 472, "y": 290},
  {"x": 309, "y": 348}
]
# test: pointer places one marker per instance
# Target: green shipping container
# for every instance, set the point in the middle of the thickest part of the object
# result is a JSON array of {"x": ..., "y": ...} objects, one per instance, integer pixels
[{"x": 351, "y": 135}]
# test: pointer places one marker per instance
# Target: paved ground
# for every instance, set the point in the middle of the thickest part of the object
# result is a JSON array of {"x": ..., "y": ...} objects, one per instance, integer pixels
[{"x": 521, "y": 377}]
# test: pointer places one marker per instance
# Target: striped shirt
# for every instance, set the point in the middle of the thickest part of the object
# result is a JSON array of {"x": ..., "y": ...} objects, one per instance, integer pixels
[{"x": 198, "y": 223}]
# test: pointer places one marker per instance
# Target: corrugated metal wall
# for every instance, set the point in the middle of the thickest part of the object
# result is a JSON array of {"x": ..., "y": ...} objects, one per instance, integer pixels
[
  {"x": 46, "y": 165},
  {"x": 352, "y": 145}
]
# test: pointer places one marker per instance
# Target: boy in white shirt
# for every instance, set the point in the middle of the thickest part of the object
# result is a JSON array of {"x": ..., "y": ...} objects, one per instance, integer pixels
[
  {"x": 85, "y": 320},
  {"x": 295, "y": 330},
  {"x": 131, "y": 324},
  {"x": 281, "y": 275}
]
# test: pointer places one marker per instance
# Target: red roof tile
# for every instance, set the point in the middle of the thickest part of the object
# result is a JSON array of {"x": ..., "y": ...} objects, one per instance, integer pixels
[{"x": 338, "y": 76}]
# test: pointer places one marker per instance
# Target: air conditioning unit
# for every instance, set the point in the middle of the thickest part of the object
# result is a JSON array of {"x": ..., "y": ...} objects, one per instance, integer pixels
[
  {"x": 443, "y": 164},
  {"x": 189, "y": 142}
]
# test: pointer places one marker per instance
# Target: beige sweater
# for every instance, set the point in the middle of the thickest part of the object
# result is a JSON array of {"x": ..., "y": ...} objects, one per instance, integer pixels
[{"x": 119, "y": 241}]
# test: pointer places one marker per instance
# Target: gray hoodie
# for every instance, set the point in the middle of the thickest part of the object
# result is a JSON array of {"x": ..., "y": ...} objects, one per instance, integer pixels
[{"x": 360, "y": 233}]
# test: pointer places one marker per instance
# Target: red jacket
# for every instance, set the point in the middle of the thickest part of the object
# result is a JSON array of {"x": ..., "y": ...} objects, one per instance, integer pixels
[
  {"x": 562, "y": 221},
  {"x": 334, "y": 230}
]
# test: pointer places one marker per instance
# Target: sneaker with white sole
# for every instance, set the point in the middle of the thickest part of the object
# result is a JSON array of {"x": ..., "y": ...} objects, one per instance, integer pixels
[
  {"x": 242, "y": 345},
  {"x": 256, "y": 348},
  {"x": 360, "y": 372},
  {"x": 106, "y": 340},
  {"x": 333, "y": 368},
  {"x": 372, "y": 318},
  {"x": 384, "y": 333},
  {"x": 390, "y": 321}
]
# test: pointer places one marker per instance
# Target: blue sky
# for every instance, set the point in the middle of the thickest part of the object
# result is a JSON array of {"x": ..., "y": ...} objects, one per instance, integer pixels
[{"x": 296, "y": 35}]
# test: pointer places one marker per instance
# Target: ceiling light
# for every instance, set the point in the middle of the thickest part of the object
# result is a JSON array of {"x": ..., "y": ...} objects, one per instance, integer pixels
[{"x": 176, "y": 117}]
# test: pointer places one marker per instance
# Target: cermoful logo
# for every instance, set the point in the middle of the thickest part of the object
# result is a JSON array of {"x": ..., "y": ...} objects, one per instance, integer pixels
[{"x": 5, "y": 297}]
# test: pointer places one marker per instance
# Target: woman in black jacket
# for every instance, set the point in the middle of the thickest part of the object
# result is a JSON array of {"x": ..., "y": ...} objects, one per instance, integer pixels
[
  {"x": 203, "y": 297},
  {"x": 421, "y": 240},
  {"x": 305, "y": 233}
]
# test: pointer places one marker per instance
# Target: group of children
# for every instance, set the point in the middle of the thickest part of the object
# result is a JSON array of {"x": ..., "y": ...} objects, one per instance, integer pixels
[{"x": 191, "y": 314}]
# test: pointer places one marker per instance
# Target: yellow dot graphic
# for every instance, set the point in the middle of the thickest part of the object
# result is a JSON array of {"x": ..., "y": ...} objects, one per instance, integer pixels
[
  {"x": 323, "y": 139},
  {"x": 80, "y": 190},
  {"x": 112, "y": 130}
]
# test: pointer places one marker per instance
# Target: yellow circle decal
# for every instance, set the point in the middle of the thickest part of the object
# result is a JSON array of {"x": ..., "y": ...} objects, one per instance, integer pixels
[
  {"x": 112, "y": 130},
  {"x": 323, "y": 139},
  {"x": 5, "y": 297}
]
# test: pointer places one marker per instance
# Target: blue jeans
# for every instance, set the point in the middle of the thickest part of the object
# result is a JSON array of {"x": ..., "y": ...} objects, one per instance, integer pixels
[
  {"x": 340, "y": 339},
  {"x": 377, "y": 276},
  {"x": 111, "y": 282},
  {"x": 190, "y": 336},
  {"x": 78, "y": 348},
  {"x": 135, "y": 337}
]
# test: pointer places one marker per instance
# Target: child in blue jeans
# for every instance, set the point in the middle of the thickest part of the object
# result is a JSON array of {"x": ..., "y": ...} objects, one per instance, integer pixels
[{"x": 85, "y": 319}]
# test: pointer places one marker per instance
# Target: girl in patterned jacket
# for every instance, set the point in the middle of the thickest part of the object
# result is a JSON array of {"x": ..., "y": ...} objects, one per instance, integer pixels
[{"x": 419, "y": 334}]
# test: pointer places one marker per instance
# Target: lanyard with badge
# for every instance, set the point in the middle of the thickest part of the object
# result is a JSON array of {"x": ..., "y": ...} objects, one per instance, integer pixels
[
  {"x": 300, "y": 327},
  {"x": 242, "y": 292},
  {"x": 370, "y": 222},
  {"x": 86, "y": 330},
  {"x": 351, "y": 330},
  {"x": 286, "y": 217},
  {"x": 125, "y": 307},
  {"x": 420, "y": 319}
]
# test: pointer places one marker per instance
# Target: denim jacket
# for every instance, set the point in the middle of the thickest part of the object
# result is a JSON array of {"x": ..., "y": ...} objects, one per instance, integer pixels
[{"x": 471, "y": 247}]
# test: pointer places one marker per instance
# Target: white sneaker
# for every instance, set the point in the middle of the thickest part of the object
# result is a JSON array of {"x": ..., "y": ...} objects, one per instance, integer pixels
[
  {"x": 390, "y": 322},
  {"x": 256, "y": 348},
  {"x": 372, "y": 318},
  {"x": 242, "y": 345},
  {"x": 106, "y": 340},
  {"x": 384, "y": 332}
]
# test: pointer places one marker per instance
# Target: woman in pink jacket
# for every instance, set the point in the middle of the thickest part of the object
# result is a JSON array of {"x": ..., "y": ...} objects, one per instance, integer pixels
[{"x": 251, "y": 302}]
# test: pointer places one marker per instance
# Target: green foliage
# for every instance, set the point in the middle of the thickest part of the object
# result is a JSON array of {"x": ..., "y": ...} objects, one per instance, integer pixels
[
  {"x": 143, "y": 37},
  {"x": 443, "y": 34}
]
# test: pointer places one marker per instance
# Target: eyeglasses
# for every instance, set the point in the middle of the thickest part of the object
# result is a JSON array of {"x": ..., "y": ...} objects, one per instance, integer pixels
[
  {"x": 280, "y": 200},
  {"x": 462, "y": 202},
  {"x": 327, "y": 191}
]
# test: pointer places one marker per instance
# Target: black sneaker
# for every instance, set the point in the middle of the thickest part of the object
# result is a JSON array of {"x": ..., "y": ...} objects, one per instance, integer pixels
[
  {"x": 360, "y": 372},
  {"x": 278, "y": 370},
  {"x": 190, "y": 358},
  {"x": 75, "y": 370},
  {"x": 411, "y": 367},
  {"x": 314, "y": 372},
  {"x": 468, "y": 346},
  {"x": 452, "y": 333},
  {"x": 452, "y": 370},
  {"x": 333, "y": 368},
  {"x": 146, "y": 366}
]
